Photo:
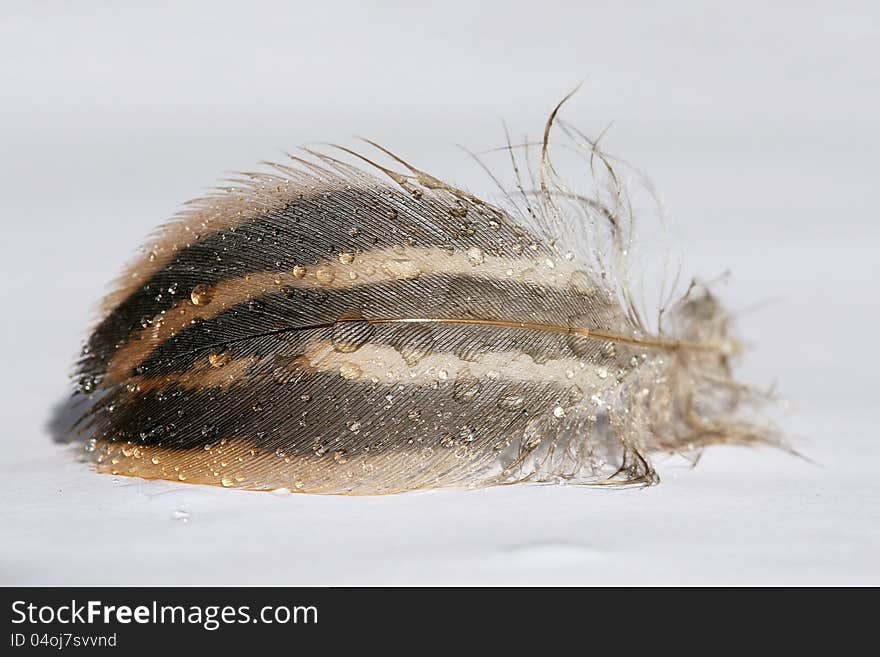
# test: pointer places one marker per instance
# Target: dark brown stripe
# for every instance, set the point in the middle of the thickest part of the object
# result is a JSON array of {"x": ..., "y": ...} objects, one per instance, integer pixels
[{"x": 309, "y": 409}]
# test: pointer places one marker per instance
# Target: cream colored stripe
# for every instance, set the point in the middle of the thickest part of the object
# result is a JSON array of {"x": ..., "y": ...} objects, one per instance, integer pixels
[
  {"x": 382, "y": 364},
  {"x": 377, "y": 363},
  {"x": 213, "y": 371}
]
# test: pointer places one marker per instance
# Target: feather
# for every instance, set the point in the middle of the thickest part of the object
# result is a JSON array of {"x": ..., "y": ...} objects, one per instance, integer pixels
[{"x": 329, "y": 330}]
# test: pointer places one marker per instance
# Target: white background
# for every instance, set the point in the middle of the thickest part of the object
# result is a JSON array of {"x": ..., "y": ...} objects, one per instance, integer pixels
[{"x": 757, "y": 121}]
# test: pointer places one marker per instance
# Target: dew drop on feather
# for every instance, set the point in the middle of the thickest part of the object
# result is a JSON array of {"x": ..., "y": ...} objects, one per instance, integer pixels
[
  {"x": 201, "y": 295},
  {"x": 325, "y": 275},
  {"x": 218, "y": 359},
  {"x": 401, "y": 268},
  {"x": 350, "y": 371},
  {"x": 510, "y": 402},
  {"x": 414, "y": 343},
  {"x": 348, "y": 337},
  {"x": 458, "y": 210},
  {"x": 475, "y": 256},
  {"x": 466, "y": 387}
]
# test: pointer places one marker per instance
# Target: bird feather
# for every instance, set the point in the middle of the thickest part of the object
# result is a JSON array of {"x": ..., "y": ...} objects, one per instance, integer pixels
[{"x": 329, "y": 329}]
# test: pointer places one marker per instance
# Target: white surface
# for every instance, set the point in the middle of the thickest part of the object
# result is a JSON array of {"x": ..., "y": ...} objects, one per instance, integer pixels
[{"x": 758, "y": 123}]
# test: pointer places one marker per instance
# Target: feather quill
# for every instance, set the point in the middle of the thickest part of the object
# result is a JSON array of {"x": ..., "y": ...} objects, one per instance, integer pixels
[{"x": 331, "y": 330}]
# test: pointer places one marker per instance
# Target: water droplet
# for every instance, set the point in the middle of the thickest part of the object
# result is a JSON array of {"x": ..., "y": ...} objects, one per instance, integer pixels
[
  {"x": 414, "y": 342},
  {"x": 510, "y": 402},
  {"x": 219, "y": 359},
  {"x": 559, "y": 412},
  {"x": 201, "y": 295},
  {"x": 401, "y": 268},
  {"x": 346, "y": 258},
  {"x": 299, "y": 271},
  {"x": 391, "y": 214},
  {"x": 325, "y": 275},
  {"x": 466, "y": 387},
  {"x": 475, "y": 256},
  {"x": 348, "y": 337},
  {"x": 582, "y": 346},
  {"x": 350, "y": 371},
  {"x": 447, "y": 441},
  {"x": 340, "y": 457},
  {"x": 226, "y": 482},
  {"x": 458, "y": 210},
  {"x": 155, "y": 460},
  {"x": 443, "y": 375}
]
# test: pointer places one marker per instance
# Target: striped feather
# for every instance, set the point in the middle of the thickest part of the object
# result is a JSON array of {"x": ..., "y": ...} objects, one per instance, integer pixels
[{"x": 321, "y": 329}]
